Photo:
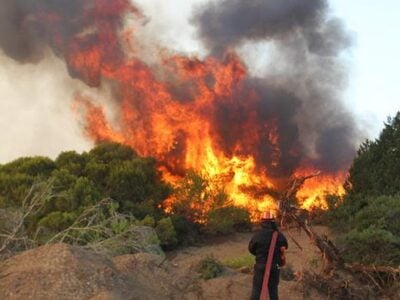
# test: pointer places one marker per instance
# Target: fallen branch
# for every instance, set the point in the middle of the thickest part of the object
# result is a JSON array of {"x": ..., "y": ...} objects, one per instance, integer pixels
[
  {"x": 330, "y": 253},
  {"x": 373, "y": 273},
  {"x": 336, "y": 284},
  {"x": 373, "y": 269},
  {"x": 332, "y": 287},
  {"x": 294, "y": 240}
]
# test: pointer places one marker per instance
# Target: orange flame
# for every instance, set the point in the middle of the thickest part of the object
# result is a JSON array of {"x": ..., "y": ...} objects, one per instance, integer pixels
[
  {"x": 313, "y": 192},
  {"x": 166, "y": 112}
]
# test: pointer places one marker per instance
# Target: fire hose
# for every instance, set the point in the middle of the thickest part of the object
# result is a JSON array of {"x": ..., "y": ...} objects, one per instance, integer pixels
[{"x": 264, "y": 291}]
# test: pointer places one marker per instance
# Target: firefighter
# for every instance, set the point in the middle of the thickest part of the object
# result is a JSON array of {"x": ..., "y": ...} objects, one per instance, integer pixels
[{"x": 259, "y": 246}]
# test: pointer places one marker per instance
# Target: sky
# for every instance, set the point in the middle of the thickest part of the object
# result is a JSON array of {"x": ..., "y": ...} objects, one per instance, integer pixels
[
  {"x": 36, "y": 118},
  {"x": 374, "y": 80}
]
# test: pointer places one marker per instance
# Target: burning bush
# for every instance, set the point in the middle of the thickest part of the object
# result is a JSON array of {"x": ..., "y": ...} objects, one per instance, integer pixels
[
  {"x": 194, "y": 196},
  {"x": 203, "y": 200},
  {"x": 208, "y": 113},
  {"x": 77, "y": 182}
]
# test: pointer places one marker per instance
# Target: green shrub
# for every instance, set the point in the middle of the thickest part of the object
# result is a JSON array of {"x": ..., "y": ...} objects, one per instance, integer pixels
[
  {"x": 369, "y": 228},
  {"x": 148, "y": 221},
  {"x": 209, "y": 268},
  {"x": 224, "y": 220},
  {"x": 107, "y": 151},
  {"x": 181, "y": 224},
  {"x": 166, "y": 233},
  {"x": 371, "y": 246},
  {"x": 187, "y": 231},
  {"x": 33, "y": 166},
  {"x": 71, "y": 161},
  {"x": 382, "y": 212},
  {"x": 243, "y": 261},
  {"x": 362, "y": 211},
  {"x": 14, "y": 188},
  {"x": 333, "y": 201},
  {"x": 57, "y": 221},
  {"x": 102, "y": 193},
  {"x": 63, "y": 180}
]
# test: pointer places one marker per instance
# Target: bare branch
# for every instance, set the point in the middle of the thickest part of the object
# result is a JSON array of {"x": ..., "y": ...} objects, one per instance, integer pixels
[{"x": 33, "y": 202}]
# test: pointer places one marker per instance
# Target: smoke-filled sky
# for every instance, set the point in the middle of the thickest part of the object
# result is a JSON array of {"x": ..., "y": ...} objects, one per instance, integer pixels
[
  {"x": 35, "y": 99},
  {"x": 373, "y": 85}
]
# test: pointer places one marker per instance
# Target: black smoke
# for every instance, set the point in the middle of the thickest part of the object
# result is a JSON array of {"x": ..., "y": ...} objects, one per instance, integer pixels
[
  {"x": 30, "y": 28},
  {"x": 302, "y": 92},
  {"x": 231, "y": 22},
  {"x": 24, "y": 33},
  {"x": 299, "y": 97}
]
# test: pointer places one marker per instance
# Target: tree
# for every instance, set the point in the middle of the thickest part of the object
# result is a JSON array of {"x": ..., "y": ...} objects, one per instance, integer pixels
[
  {"x": 33, "y": 166},
  {"x": 368, "y": 218},
  {"x": 377, "y": 165},
  {"x": 72, "y": 162},
  {"x": 17, "y": 177},
  {"x": 109, "y": 152}
]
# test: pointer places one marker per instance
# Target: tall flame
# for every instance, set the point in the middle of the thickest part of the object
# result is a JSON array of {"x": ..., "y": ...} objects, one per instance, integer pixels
[
  {"x": 186, "y": 112},
  {"x": 181, "y": 133}
]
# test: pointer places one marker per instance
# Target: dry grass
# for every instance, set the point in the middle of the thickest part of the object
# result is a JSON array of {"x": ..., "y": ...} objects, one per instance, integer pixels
[{"x": 243, "y": 261}]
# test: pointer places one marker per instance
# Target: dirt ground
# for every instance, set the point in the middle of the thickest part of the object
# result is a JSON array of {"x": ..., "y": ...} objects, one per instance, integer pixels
[
  {"x": 61, "y": 271},
  {"x": 236, "y": 285}
]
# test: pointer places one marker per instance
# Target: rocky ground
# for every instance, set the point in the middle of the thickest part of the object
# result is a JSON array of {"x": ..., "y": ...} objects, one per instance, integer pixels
[{"x": 60, "y": 271}]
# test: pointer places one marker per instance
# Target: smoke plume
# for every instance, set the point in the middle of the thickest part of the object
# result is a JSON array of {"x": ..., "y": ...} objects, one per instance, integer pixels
[
  {"x": 290, "y": 117},
  {"x": 302, "y": 90},
  {"x": 28, "y": 28}
]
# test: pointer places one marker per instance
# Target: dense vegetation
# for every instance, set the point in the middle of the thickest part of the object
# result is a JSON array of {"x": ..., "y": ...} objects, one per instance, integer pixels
[
  {"x": 369, "y": 216},
  {"x": 127, "y": 186},
  {"x": 112, "y": 190}
]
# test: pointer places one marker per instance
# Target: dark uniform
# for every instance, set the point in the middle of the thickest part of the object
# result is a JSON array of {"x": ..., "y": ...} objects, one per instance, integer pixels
[{"x": 259, "y": 246}]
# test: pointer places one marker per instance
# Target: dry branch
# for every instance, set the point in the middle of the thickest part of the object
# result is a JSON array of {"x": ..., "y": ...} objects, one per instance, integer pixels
[
  {"x": 329, "y": 252},
  {"x": 333, "y": 287},
  {"x": 373, "y": 269},
  {"x": 378, "y": 276},
  {"x": 33, "y": 202},
  {"x": 294, "y": 240}
]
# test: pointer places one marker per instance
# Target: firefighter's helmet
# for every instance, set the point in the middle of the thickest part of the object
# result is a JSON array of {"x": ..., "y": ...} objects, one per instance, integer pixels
[{"x": 267, "y": 216}]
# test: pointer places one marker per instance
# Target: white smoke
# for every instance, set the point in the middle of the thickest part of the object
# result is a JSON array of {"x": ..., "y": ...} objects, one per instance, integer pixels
[{"x": 35, "y": 104}]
